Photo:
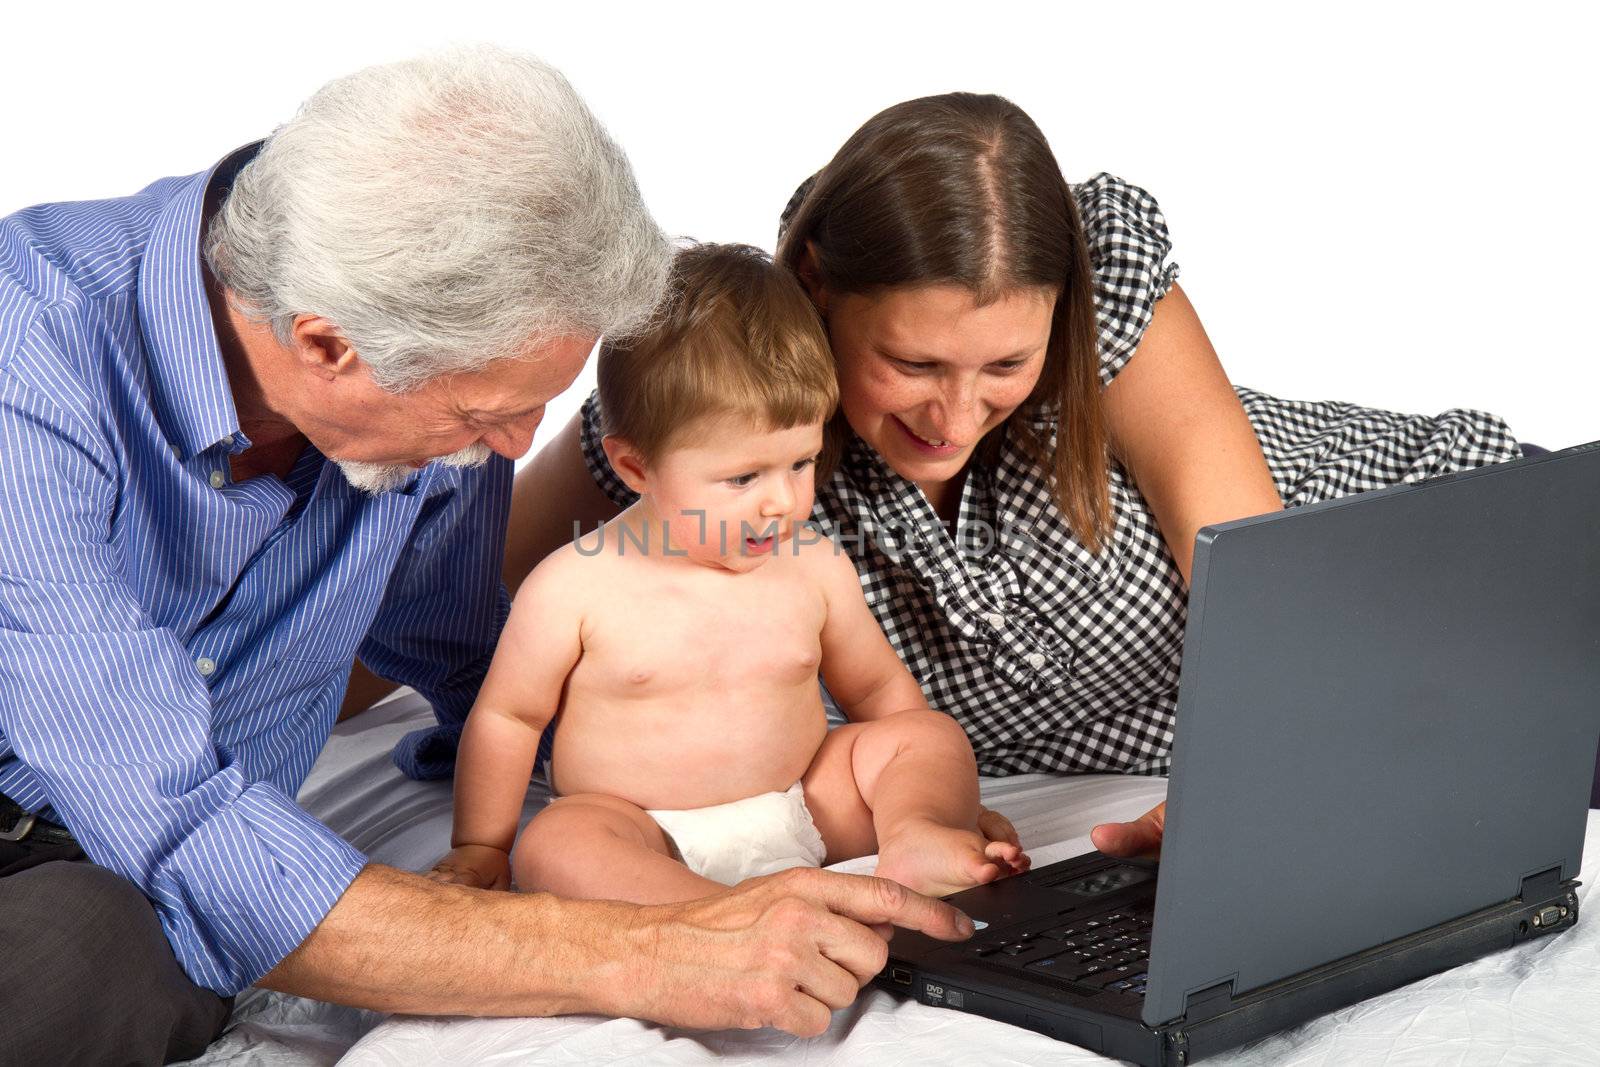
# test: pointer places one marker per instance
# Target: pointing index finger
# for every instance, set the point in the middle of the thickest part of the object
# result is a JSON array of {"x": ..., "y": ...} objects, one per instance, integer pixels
[{"x": 874, "y": 901}]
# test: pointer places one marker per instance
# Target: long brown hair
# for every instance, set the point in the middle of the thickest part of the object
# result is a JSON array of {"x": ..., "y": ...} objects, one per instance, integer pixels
[{"x": 963, "y": 189}]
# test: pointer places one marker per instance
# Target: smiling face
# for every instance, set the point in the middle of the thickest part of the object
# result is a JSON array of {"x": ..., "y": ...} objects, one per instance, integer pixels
[
  {"x": 728, "y": 491},
  {"x": 925, "y": 372},
  {"x": 379, "y": 439}
]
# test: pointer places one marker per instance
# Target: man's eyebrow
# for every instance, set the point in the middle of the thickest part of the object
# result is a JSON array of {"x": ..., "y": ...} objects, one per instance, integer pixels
[{"x": 486, "y": 413}]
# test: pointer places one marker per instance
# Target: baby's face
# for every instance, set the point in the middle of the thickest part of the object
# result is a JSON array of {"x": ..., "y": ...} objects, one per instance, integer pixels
[{"x": 732, "y": 492}]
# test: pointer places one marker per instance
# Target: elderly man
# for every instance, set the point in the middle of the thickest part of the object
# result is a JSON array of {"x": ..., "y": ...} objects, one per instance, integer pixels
[{"x": 257, "y": 421}]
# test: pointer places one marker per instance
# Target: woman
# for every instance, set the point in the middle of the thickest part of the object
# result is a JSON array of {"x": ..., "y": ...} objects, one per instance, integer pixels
[{"x": 1033, "y": 427}]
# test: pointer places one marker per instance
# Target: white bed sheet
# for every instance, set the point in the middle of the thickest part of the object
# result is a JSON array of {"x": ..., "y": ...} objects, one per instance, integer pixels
[{"x": 1538, "y": 1004}]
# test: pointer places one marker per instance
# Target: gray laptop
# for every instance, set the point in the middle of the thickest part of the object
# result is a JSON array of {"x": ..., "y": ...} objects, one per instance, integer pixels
[{"x": 1386, "y": 734}]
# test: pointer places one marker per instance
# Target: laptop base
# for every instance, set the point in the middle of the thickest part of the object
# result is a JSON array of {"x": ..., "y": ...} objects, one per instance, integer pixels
[{"x": 1215, "y": 1020}]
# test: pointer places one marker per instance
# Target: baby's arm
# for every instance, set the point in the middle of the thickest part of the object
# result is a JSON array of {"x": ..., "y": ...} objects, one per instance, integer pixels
[
  {"x": 537, "y": 650},
  {"x": 859, "y": 666},
  {"x": 867, "y": 677}
]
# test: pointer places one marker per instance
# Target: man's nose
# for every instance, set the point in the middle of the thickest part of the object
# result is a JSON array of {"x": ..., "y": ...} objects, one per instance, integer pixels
[{"x": 514, "y": 440}]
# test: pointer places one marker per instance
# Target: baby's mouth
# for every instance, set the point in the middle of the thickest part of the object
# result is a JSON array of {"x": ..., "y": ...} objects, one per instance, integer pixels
[{"x": 758, "y": 545}]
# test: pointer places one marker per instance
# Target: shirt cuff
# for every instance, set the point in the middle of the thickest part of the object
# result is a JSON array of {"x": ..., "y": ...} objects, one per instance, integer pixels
[{"x": 248, "y": 885}]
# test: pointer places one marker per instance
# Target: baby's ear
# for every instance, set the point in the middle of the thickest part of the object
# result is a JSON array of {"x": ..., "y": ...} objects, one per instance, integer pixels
[{"x": 626, "y": 460}]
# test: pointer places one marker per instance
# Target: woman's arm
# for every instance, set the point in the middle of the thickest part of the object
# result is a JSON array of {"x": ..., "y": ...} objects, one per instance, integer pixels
[
  {"x": 1177, "y": 426},
  {"x": 553, "y": 494},
  {"x": 1179, "y": 430}
]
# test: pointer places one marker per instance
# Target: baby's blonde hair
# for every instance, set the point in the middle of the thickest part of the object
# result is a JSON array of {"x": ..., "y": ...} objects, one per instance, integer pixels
[{"x": 736, "y": 336}]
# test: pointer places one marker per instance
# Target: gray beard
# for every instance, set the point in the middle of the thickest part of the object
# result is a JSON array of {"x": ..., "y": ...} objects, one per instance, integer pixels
[{"x": 375, "y": 478}]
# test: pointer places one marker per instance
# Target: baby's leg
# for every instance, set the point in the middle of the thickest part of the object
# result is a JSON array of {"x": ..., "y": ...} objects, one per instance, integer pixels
[
  {"x": 907, "y": 784},
  {"x": 597, "y": 847}
]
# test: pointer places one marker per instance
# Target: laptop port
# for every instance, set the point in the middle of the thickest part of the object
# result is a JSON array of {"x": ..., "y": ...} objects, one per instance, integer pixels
[{"x": 901, "y": 975}]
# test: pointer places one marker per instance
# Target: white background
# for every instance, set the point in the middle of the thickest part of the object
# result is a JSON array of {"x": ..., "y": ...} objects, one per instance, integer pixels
[{"x": 1395, "y": 208}]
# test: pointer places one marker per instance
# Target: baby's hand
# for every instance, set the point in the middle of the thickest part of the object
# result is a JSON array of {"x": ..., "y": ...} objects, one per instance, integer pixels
[
  {"x": 480, "y": 866},
  {"x": 997, "y": 830}
]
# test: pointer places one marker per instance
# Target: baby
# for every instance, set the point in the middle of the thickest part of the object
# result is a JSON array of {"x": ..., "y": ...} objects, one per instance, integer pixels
[{"x": 678, "y": 647}]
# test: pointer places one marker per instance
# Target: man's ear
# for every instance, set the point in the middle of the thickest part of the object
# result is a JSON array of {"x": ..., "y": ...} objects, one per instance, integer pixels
[
  {"x": 321, "y": 348},
  {"x": 811, "y": 277},
  {"x": 627, "y": 461}
]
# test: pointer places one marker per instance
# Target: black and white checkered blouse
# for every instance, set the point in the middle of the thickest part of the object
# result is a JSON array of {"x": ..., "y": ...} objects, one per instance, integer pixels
[{"x": 1054, "y": 658}]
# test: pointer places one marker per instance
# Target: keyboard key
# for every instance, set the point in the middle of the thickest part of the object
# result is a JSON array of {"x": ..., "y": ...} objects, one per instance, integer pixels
[{"x": 1049, "y": 963}]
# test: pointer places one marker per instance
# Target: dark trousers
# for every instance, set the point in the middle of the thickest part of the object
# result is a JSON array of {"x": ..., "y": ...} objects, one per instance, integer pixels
[{"x": 86, "y": 974}]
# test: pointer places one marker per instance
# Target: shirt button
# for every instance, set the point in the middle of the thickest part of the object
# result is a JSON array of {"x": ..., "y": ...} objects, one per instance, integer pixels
[
  {"x": 1036, "y": 660},
  {"x": 216, "y": 479},
  {"x": 228, "y": 440},
  {"x": 206, "y": 666},
  {"x": 996, "y": 620}
]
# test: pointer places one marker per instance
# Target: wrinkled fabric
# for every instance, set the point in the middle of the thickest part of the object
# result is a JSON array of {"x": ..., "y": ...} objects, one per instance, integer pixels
[{"x": 1537, "y": 1004}]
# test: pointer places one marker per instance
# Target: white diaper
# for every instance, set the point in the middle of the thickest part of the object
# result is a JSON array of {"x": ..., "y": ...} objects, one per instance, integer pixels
[{"x": 758, "y": 835}]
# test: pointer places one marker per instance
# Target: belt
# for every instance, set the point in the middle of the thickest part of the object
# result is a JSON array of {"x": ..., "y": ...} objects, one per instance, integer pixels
[{"x": 21, "y": 826}]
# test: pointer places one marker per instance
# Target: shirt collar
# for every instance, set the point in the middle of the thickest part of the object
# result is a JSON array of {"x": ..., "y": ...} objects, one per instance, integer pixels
[{"x": 193, "y": 398}]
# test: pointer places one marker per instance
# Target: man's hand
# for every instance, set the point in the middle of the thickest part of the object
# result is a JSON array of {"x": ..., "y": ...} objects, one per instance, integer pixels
[
  {"x": 783, "y": 951},
  {"x": 996, "y": 827},
  {"x": 480, "y": 866},
  {"x": 1140, "y": 839}
]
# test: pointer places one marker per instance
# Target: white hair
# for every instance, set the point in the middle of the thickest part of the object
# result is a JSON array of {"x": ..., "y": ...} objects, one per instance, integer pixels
[
  {"x": 375, "y": 478},
  {"x": 442, "y": 212}
]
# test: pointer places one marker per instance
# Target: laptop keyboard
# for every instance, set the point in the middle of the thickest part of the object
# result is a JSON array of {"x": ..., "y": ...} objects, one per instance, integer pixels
[{"x": 1109, "y": 951}]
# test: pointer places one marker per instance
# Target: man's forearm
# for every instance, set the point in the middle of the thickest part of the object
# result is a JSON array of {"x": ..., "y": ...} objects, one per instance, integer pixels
[{"x": 398, "y": 942}]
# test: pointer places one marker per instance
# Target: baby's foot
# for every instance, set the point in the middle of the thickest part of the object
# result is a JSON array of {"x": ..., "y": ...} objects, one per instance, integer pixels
[{"x": 939, "y": 860}]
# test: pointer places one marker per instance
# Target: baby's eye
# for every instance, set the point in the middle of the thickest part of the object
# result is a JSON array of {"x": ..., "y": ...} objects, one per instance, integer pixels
[
  {"x": 739, "y": 481},
  {"x": 802, "y": 464}
]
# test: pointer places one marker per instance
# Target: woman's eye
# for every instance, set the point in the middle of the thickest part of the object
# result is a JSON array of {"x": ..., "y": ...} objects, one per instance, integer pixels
[
  {"x": 912, "y": 366},
  {"x": 1008, "y": 365},
  {"x": 739, "y": 481}
]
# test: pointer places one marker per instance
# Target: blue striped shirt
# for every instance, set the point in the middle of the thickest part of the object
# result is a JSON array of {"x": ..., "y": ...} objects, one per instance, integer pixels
[{"x": 174, "y": 645}]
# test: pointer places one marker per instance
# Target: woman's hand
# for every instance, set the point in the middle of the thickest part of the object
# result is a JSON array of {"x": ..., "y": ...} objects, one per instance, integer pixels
[
  {"x": 1139, "y": 839},
  {"x": 478, "y": 866},
  {"x": 996, "y": 827}
]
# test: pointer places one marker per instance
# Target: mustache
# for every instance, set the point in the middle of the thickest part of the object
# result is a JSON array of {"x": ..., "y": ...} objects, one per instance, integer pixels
[{"x": 377, "y": 478}]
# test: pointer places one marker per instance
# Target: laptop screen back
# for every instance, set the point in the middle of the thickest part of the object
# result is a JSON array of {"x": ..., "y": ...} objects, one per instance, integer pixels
[{"x": 1388, "y": 717}]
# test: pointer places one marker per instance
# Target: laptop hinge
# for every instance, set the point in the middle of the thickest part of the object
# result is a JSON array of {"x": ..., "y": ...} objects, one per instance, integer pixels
[
  {"x": 1541, "y": 886},
  {"x": 1209, "y": 1002}
]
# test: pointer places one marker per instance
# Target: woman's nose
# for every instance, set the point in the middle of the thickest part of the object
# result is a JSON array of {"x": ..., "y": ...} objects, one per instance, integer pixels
[{"x": 956, "y": 413}]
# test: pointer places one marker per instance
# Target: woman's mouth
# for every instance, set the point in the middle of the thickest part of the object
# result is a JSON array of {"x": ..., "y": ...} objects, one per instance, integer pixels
[{"x": 928, "y": 446}]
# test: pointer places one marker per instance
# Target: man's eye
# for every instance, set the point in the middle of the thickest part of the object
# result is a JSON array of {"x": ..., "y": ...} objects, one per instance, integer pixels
[{"x": 739, "y": 481}]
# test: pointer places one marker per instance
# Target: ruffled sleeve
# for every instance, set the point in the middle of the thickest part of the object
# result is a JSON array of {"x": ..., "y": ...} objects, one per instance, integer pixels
[
  {"x": 594, "y": 456},
  {"x": 1128, "y": 246}
]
